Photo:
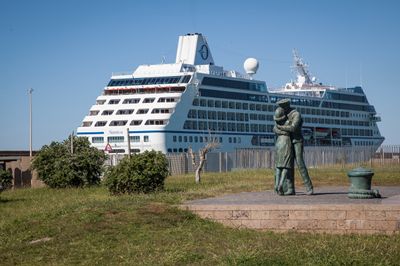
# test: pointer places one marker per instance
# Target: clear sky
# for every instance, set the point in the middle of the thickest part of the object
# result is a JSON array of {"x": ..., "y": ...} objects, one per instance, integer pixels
[{"x": 67, "y": 50}]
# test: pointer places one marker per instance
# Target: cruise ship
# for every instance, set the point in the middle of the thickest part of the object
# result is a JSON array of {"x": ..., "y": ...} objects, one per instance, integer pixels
[{"x": 189, "y": 103}]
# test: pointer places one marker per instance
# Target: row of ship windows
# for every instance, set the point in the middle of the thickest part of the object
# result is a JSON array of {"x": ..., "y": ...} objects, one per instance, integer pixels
[
  {"x": 129, "y": 91},
  {"x": 264, "y": 107},
  {"x": 243, "y": 127},
  {"x": 201, "y": 139},
  {"x": 357, "y": 132},
  {"x": 363, "y": 143},
  {"x": 232, "y": 116},
  {"x": 119, "y": 139},
  {"x": 316, "y": 120},
  {"x": 117, "y": 123},
  {"x": 130, "y": 111},
  {"x": 137, "y": 100},
  {"x": 148, "y": 81},
  {"x": 224, "y": 126}
]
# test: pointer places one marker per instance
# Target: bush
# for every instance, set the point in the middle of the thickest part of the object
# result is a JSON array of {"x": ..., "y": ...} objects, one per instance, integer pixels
[
  {"x": 57, "y": 167},
  {"x": 143, "y": 172},
  {"x": 5, "y": 179}
]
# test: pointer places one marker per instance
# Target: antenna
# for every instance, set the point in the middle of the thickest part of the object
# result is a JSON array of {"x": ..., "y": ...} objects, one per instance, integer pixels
[{"x": 163, "y": 59}]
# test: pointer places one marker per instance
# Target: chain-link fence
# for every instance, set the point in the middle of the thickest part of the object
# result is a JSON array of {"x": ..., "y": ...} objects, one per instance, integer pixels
[{"x": 315, "y": 157}]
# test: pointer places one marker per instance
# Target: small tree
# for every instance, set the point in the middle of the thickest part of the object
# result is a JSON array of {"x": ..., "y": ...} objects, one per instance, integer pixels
[
  {"x": 5, "y": 180},
  {"x": 58, "y": 166},
  {"x": 209, "y": 146},
  {"x": 144, "y": 172}
]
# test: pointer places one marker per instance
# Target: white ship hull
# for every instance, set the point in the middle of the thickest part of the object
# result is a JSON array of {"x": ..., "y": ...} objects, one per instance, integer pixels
[{"x": 171, "y": 107}]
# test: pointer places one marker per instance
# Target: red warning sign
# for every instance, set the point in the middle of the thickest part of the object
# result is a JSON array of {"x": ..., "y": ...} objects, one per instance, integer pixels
[{"x": 108, "y": 147}]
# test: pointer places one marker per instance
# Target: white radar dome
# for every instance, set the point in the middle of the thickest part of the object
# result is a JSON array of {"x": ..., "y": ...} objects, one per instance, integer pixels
[{"x": 251, "y": 66}]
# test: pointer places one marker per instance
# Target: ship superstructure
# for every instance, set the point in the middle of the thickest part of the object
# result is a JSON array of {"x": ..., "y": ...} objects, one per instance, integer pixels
[{"x": 171, "y": 107}]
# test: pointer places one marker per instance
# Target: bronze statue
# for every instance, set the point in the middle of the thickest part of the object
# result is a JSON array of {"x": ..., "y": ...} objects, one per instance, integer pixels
[
  {"x": 284, "y": 159},
  {"x": 293, "y": 127}
]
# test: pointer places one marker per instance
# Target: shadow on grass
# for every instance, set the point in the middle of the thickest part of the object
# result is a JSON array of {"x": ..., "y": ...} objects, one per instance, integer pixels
[{"x": 2, "y": 200}]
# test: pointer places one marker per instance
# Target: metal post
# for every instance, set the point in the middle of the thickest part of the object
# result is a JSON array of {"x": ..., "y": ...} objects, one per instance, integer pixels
[
  {"x": 129, "y": 143},
  {"x": 72, "y": 142},
  {"x": 30, "y": 123}
]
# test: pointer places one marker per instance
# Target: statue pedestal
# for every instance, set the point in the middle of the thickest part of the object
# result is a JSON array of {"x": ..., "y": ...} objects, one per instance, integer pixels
[{"x": 360, "y": 184}]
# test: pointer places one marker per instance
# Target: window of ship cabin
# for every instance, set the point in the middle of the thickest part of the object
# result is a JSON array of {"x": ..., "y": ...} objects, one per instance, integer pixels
[
  {"x": 125, "y": 111},
  {"x": 238, "y": 105},
  {"x": 212, "y": 115},
  {"x": 252, "y": 106},
  {"x": 97, "y": 139},
  {"x": 107, "y": 112},
  {"x": 231, "y": 105},
  {"x": 134, "y": 138},
  {"x": 202, "y": 125},
  {"x": 201, "y": 114},
  {"x": 117, "y": 123},
  {"x": 155, "y": 122},
  {"x": 174, "y": 138},
  {"x": 184, "y": 138},
  {"x": 192, "y": 113},
  {"x": 145, "y": 138},
  {"x": 196, "y": 139},
  {"x": 115, "y": 139},
  {"x": 148, "y": 100},
  {"x": 100, "y": 123},
  {"x": 169, "y": 150},
  {"x": 245, "y": 106},
  {"x": 100, "y": 102},
  {"x": 218, "y": 104},
  {"x": 224, "y": 104},
  {"x": 230, "y": 116},
  {"x": 258, "y": 107},
  {"x": 87, "y": 123},
  {"x": 203, "y": 102},
  {"x": 114, "y": 101},
  {"x": 142, "y": 111},
  {"x": 136, "y": 122},
  {"x": 131, "y": 101},
  {"x": 210, "y": 103},
  {"x": 195, "y": 102},
  {"x": 94, "y": 112},
  {"x": 161, "y": 111},
  {"x": 190, "y": 138},
  {"x": 200, "y": 139},
  {"x": 212, "y": 126}
]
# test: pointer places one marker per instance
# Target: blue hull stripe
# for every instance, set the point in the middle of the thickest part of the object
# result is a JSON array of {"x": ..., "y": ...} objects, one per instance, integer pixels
[{"x": 89, "y": 133}]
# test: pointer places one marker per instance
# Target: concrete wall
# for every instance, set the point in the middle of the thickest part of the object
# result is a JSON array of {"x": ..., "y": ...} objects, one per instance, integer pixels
[{"x": 22, "y": 175}]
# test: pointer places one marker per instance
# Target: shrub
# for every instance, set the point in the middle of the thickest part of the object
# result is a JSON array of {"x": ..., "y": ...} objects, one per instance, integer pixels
[
  {"x": 144, "y": 172},
  {"x": 5, "y": 179},
  {"x": 57, "y": 167}
]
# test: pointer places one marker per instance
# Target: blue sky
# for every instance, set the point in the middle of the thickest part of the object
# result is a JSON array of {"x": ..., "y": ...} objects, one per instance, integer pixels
[{"x": 67, "y": 50}]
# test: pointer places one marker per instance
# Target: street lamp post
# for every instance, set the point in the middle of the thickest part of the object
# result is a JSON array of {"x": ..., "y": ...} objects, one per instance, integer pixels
[{"x": 30, "y": 122}]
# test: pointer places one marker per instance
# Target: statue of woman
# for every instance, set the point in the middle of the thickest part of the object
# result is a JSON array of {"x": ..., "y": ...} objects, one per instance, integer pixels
[{"x": 284, "y": 156}]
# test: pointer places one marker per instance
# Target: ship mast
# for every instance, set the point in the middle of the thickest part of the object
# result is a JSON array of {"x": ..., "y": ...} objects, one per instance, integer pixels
[{"x": 303, "y": 76}]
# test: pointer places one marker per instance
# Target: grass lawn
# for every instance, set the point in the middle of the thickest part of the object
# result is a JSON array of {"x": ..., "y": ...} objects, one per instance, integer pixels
[{"x": 88, "y": 226}]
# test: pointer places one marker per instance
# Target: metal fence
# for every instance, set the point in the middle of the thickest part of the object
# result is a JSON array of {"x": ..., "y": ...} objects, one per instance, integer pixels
[{"x": 315, "y": 157}]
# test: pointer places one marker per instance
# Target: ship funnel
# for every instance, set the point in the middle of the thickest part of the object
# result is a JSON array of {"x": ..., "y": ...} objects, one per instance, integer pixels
[{"x": 193, "y": 49}]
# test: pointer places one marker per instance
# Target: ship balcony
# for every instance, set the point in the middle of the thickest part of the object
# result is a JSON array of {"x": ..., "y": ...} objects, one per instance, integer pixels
[{"x": 375, "y": 118}]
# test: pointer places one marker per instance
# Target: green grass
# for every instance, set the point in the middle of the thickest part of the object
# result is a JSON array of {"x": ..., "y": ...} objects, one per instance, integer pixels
[{"x": 88, "y": 226}]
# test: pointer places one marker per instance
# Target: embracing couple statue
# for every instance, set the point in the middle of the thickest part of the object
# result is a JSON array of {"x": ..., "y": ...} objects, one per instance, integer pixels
[{"x": 289, "y": 147}]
